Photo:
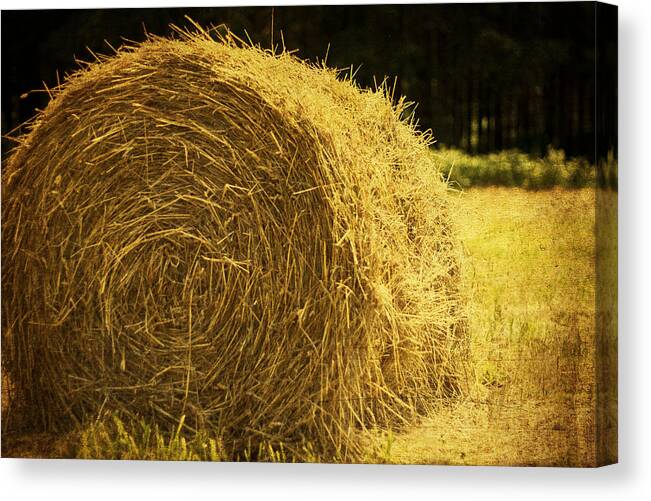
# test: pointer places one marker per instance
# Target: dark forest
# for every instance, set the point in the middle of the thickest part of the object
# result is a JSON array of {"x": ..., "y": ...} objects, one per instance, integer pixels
[{"x": 486, "y": 77}]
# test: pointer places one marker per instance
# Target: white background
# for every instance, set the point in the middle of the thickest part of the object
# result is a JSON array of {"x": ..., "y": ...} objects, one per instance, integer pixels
[{"x": 630, "y": 479}]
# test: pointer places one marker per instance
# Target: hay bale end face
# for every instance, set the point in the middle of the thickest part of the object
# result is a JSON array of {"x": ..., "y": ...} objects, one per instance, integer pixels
[{"x": 197, "y": 228}]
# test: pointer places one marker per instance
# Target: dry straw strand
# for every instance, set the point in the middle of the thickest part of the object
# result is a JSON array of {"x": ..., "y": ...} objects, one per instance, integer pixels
[{"x": 202, "y": 228}]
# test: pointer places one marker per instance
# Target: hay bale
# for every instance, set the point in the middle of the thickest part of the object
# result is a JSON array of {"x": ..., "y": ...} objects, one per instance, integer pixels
[{"x": 203, "y": 229}]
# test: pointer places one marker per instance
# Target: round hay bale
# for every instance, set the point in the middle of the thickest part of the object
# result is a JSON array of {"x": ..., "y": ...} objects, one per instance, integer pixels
[{"x": 204, "y": 229}]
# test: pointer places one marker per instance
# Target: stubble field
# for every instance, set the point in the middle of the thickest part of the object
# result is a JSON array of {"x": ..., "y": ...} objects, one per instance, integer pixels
[{"x": 531, "y": 279}]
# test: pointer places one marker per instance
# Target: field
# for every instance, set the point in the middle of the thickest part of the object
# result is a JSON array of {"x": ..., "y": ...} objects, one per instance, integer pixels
[
  {"x": 530, "y": 275},
  {"x": 529, "y": 272}
]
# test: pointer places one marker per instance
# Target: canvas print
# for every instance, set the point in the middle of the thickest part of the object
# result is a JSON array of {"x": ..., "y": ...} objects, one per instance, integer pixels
[{"x": 338, "y": 234}]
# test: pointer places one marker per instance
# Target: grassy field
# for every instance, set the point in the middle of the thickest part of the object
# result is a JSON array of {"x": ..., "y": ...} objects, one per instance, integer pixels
[
  {"x": 530, "y": 276},
  {"x": 517, "y": 169},
  {"x": 529, "y": 272}
]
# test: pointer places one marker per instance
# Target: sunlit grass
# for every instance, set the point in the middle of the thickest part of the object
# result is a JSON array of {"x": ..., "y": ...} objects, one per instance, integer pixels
[
  {"x": 112, "y": 438},
  {"x": 530, "y": 276},
  {"x": 132, "y": 439},
  {"x": 514, "y": 168}
]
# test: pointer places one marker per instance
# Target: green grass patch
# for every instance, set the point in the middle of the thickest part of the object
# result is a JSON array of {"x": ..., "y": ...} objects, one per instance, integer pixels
[
  {"x": 514, "y": 168},
  {"x": 136, "y": 439}
]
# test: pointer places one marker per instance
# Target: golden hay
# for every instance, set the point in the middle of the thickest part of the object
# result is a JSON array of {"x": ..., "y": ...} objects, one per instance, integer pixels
[{"x": 199, "y": 228}]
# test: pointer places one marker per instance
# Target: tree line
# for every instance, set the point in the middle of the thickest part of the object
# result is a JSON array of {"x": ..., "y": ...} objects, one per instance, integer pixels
[{"x": 485, "y": 77}]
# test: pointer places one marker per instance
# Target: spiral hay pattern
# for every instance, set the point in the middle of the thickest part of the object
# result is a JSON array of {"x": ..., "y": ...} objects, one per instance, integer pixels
[{"x": 204, "y": 229}]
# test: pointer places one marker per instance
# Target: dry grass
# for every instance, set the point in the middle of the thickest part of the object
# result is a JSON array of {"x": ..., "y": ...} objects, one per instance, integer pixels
[
  {"x": 195, "y": 229},
  {"x": 531, "y": 268}
]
